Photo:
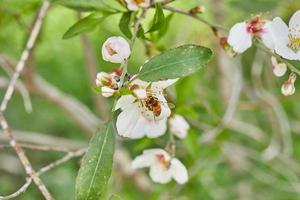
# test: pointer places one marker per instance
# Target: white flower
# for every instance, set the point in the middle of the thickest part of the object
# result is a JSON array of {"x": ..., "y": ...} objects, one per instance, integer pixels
[
  {"x": 279, "y": 69},
  {"x": 240, "y": 35},
  {"x": 116, "y": 50},
  {"x": 135, "y": 4},
  {"x": 288, "y": 87},
  {"x": 178, "y": 126},
  {"x": 144, "y": 113},
  {"x": 287, "y": 38},
  {"x": 108, "y": 82},
  {"x": 162, "y": 166}
]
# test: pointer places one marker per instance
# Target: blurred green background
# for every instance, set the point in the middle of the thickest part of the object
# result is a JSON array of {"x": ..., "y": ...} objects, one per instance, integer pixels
[{"x": 232, "y": 166}]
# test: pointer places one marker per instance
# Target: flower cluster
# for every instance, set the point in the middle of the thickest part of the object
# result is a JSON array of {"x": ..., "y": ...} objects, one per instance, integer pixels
[
  {"x": 144, "y": 112},
  {"x": 281, "y": 39}
]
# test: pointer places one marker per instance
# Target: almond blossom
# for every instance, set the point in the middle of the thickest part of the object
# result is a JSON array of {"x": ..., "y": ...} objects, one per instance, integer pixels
[
  {"x": 287, "y": 38},
  {"x": 288, "y": 87},
  {"x": 178, "y": 126},
  {"x": 279, "y": 69},
  {"x": 145, "y": 111},
  {"x": 241, "y": 34},
  {"x": 108, "y": 82},
  {"x": 133, "y": 5},
  {"x": 116, "y": 50},
  {"x": 163, "y": 167}
]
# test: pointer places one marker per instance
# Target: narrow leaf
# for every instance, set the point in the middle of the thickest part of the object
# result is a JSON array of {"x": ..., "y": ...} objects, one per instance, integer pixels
[
  {"x": 96, "y": 166},
  {"x": 124, "y": 24},
  {"x": 175, "y": 63},
  {"x": 158, "y": 19},
  {"x": 88, "y": 5},
  {"x": 85, "y": 24}
]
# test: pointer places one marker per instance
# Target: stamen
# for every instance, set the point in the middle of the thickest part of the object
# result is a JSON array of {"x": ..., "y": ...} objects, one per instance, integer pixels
[
  {"x": 294, "y": 43},
  {"x": 138, "y": 1},
  {"x": 255, "y": 25},
  {"x": 163, "y": 161}
]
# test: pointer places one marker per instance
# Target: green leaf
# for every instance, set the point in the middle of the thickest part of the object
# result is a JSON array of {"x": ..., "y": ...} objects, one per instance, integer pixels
[
  {"x": 88, "y": 5},
  {"x": 96, "y": 166},
  {"x": 165, "y": 28},
  {"x": 124, "y": 24},
  {"x": 158, "y": 19},
  {"x": 175, "y": 63},
  {"x": 141, "y": 33},
  {"x": 85, "y": 24}
]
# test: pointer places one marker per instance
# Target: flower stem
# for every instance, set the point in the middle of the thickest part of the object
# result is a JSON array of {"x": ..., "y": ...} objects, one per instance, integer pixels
[{"x": 136, "y": 27}]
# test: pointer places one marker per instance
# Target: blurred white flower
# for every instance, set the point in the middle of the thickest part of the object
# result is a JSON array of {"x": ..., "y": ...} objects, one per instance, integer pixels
[
  {"x": 108, "y": 82},
  {"x": 288, "y": 87},
  {"x": 162, "y": 166},
  {"x": 135, "y": 4},
  {"x": 178, "y": 126},
  {"x": 240, "y": 35},
  {"x": 144, "y": 113},
  {"x": 287, "y": 39},
  {"x": 116, "y": 50},
  {"x": 279, "y": 69}
]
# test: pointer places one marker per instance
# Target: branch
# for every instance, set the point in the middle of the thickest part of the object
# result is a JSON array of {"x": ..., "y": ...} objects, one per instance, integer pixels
[
  {"x": 45, "y": 169},
  {"x": 25, "y": 55},
  {"x": 23, "y": 158}
]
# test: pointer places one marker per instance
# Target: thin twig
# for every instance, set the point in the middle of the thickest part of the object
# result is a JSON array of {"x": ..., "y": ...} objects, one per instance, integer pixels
[
  {"x": 23, "y": 158},
  {"x": 25, "y": 55},
  {"x": 211, "y": 25},
  {"x": 43, "y": 170},
  {"x": 136, "y": 27}
]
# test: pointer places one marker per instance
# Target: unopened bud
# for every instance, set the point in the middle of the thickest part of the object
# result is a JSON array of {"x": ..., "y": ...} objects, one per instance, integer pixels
[
  {"x": 198, "y": 9},
  {"x": 116, "y": 50},
  {"x": 103, "y": 79},
  {"x": 279, "y": 69},
  {"x": 288, "y": 87}
]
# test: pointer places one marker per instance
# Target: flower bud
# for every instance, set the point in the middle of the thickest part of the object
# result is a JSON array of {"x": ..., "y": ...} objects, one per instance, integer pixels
[
  {"x": 288, "y": 87},
  {"x": 133, "y": 5},
  {"x": 198, "y": 9},
  {"x": 179, "y": 126},
  {"x": 107, "y": 92},
  {"x": 279, "y": 69},
  {"x": 103, "y": 79},
  {"x": 116, "y": 50}
]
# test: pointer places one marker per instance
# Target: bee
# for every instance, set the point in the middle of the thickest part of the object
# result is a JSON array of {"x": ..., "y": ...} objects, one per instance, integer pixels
[{"x": 152, "y": 103}]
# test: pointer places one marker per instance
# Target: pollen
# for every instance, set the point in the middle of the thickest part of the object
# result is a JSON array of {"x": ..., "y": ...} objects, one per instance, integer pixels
[
  {"x": 294, "y": 43},
  {"x": 138, "y": 1},
  {"x": 162, "y": 160}
]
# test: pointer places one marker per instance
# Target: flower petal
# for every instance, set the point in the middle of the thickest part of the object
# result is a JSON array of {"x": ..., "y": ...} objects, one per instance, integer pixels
[
  {"x": 178, "y": 126},
  {"x": 115, "y": 49},
  {"x": 144, "y": 160},
  {"x": 140, "y": 128},
  {"x": 124, "y": 101},
  {"x": 280, "y": 31},
  {"x": 294, "y": 22},
  {"x": 267, "y": 36},
  {"x": 160, "y": 85},
  {"x": 239, "y": 39},
  {"x": 156, "y": 128},
  {"x": 107, "y": 92},
  {"x": 127, "y": 119},
  {"x": 160, "y": 174},
  {"x": 179, "y": 171}
]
